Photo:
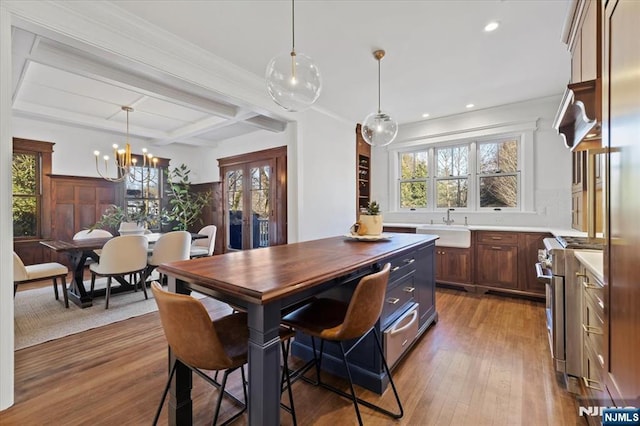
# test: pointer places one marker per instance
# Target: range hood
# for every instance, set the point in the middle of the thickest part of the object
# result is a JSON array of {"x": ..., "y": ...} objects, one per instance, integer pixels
[{"x": 579, "y": 117}]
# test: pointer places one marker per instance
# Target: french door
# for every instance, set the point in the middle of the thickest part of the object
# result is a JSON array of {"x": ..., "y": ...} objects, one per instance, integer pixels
[{"x": 254, "y": 198}]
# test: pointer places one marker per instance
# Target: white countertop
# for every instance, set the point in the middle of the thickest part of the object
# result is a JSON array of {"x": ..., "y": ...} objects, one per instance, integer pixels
[
  {"x": 592, "y": 260},
  {"x": 554, "y": 231}
]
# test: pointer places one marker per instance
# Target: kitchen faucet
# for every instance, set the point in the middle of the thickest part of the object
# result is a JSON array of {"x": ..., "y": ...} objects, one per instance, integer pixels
[{"x": 448, "y": 220}]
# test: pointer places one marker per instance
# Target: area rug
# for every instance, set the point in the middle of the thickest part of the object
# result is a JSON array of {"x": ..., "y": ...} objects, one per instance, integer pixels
[{"x": 39, "y": 317}]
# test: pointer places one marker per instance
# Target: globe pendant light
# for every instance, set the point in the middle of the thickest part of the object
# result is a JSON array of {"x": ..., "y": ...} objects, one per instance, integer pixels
[
  {"x": 293, "y": 80},
  {"x": 379, "y": 129}
]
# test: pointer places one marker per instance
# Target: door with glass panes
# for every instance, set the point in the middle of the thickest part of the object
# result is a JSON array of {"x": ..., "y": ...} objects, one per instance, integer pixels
[{"x": 249, "y": 195}]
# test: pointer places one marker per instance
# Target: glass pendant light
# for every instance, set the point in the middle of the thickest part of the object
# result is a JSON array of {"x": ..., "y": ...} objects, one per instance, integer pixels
[
  {"x": 379, "y": 129},
  {"x": 293, "y": 79}
]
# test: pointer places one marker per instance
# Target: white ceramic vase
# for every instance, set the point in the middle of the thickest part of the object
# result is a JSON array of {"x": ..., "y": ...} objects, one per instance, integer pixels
[{"x": 372, "y": 223}]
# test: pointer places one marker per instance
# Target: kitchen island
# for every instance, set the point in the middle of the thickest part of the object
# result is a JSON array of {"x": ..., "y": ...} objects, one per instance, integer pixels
[{"x": 267, "y": 281}]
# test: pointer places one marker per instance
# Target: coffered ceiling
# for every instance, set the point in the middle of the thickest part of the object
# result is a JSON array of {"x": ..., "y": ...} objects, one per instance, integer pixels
[{"x": 438, "y": 60}]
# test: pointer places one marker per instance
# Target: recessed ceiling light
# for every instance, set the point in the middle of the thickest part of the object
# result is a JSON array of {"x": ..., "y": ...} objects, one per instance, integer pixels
[
  {"x": 491, "y": 26},
  {"x": 425, "y": 115},
  {"x": 470, "y": 105}
]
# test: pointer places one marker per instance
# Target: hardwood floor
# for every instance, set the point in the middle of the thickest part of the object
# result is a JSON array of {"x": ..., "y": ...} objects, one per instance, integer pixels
[{"x": 486, "y": 362}]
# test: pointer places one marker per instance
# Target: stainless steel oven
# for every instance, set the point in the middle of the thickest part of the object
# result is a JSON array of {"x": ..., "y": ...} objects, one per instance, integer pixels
[{"x": 557, "y": 268}]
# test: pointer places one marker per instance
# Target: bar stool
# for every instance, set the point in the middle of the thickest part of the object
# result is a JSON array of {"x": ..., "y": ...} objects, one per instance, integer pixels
[
  {"x": 222, "y": 345},
  {"x": 336, "y": 321}
]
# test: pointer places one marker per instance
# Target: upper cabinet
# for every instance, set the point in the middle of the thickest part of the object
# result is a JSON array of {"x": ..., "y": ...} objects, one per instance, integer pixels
[{"x": 579, "y": 117}]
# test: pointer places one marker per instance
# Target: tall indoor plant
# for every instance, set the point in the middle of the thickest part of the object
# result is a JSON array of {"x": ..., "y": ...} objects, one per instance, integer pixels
[{"x": 185, "y": 206}]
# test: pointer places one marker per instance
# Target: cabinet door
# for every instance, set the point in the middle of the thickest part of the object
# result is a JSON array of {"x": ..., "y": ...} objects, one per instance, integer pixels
[
  {"x": 425, "y": 283},
  {"x": 576, "y": 61},
  {"x": 590, "y": 45},
  {"x": 497, "y": 265},
  {"x": 453, "y": 265},
  {"x": 621, "y": 124},
  {"x": 528, "y": 248}
]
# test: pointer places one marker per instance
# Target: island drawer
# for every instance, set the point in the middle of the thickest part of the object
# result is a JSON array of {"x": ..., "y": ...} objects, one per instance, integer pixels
[{"x": 400, "y": 293}]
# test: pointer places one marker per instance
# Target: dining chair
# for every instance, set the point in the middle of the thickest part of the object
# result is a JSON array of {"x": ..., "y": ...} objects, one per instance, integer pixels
[
  {"x": 170, "y": 247},
  {"x": 204, "y": 246},
  {"x": 24, "y": 274},
  {"x": 86, "y": 234},
  {"x": 337, "y": 321},
  {"x": 222, "y": 345},
  {"x": 121, "y": 256}
]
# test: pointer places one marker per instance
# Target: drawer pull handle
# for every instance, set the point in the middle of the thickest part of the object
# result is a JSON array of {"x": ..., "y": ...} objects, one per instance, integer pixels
[
  {"x": 413, "y": 316},
  {"x": 393, "y": 300},
  {"x": 496, "y": 238},
  {"x": 496, "y": 248},
  {"x": 600, "y": 303},
  {"x": 587, "y": 383},
  {"x": 395, "y": 268},
  {"x": 409, "y": 261},
  {"x": 601, "y": 359},
  {"x": 409, "y": 289},
  {"x": 589, "y": 329},
  {"x": 589, "y": 286}
]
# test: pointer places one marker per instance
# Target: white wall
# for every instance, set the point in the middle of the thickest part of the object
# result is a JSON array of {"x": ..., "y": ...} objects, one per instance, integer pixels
[
  {"x": 551, "y": 164},
  {"x": 74, "y": 147}
]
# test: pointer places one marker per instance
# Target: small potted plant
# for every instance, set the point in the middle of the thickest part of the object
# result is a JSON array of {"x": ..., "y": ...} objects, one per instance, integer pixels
[{"x": 372, "y": 219}]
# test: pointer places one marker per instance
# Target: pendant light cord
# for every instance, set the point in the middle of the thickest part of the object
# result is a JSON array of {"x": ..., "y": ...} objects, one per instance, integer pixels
[
  {"x": 379, "y": 110},
  {"x": 293, "y": 27}
]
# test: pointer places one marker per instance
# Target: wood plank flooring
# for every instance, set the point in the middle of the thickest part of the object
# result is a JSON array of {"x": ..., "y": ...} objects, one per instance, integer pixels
[{"x": 486, "y": 362}]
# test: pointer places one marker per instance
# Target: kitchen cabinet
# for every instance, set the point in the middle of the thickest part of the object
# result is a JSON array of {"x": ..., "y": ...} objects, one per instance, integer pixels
[
  {"x": 363, "y": 173},
  {"x": 592, "y": 318},
  {"x": 621, "y": 124},
  {"x": 583, "y": 39},
  {"x": 453, "y": 265},
  {"x": 497, "y": 259},
  {"x": 528, "y": 246}
]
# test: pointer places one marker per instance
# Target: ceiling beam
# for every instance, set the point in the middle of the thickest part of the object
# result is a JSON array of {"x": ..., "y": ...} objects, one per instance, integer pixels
[{"x": 68, "y": 59}]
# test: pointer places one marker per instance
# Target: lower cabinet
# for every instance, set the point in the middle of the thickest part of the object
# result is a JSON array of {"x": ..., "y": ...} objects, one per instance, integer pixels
[
  {"x": 408, "y": 311},
  {"x": 497, "y": 259},
  {"x": 453, "y": 265}
]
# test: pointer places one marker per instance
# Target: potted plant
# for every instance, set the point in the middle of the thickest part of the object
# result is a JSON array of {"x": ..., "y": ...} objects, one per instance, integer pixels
[
  {"x": 372, "y": 219},
  {"x": 185, "y": 206}
]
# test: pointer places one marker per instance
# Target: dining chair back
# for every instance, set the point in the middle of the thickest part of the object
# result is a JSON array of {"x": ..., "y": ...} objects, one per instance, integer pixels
[
  {"x": 28, "y": 273},
  {"x": 204, "y": 246},
  {"x": 86, "y": 234},
  {"x": 170, "y": 247},
  {"x": 121, "y": 256}
]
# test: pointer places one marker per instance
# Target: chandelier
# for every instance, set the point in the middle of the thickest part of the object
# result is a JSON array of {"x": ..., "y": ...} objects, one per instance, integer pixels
[
  {"x": 379, "y": 129},
  {"x": 124, "y": 162},
  {"x": 293, "y": 79}
]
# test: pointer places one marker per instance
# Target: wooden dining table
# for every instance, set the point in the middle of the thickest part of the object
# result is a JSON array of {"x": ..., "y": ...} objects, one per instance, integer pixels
[
  {"x": 78, "y": 251},
  {"x": 265, "y": 282}
]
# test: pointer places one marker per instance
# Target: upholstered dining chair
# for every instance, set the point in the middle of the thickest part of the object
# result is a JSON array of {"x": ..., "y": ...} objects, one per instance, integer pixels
[
  {"x": 170, "y": 247},
  {"x": 121, "y": 256},
  {"x": 222, "y": 345},
  {"x": 86, "y": 234},
  {"x": 24, "y": 274},
  {"x": 204, "y": 246},
  {"x": 337, "y": 321}
]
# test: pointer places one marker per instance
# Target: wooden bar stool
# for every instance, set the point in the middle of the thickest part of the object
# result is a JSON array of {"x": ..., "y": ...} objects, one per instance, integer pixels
[{"x": 336, "y": 321}]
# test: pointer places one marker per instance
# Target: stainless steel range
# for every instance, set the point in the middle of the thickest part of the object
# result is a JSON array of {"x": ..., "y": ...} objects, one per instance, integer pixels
[{"x": 557, "y": 268}]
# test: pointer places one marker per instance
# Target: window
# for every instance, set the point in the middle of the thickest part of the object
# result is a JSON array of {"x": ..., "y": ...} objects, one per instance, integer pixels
[
  {"x": 413, "y": 180},
  {"x": 498, "y": 173},
  {"x": 30, "y": 166},
  {"x": 452, "y": 176},
  {"x": 473, "y": 175},
  {"x": 144, "y": 193}
]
